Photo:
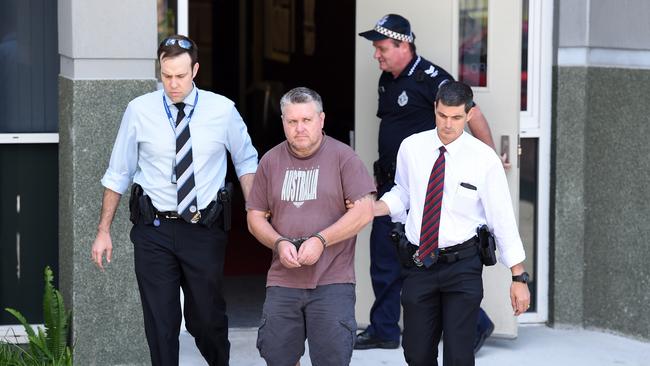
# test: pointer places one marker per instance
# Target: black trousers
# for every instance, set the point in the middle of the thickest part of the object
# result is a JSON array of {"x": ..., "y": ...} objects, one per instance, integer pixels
[
  {"x": 443, "y": 300},
  {"x": 174, "y": 255}
]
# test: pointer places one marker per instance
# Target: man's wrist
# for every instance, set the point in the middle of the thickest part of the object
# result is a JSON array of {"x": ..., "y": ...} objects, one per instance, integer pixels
[
  {"x": 517, "y": 269},
  {"x": 321, "y": 238},
  {"x": 278, "y": 241},
  {"x": 523, "y": 278}
]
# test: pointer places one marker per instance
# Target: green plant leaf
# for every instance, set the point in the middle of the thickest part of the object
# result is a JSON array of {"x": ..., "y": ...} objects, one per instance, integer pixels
[
  {"x": 11, "y": 355},
  {"x": 28, "y": 328},
  {"x": 56, "y": 319},
  {"x": 46, "y": 347}
]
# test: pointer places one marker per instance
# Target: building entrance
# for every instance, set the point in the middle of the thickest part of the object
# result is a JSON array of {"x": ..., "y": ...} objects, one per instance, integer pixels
[{"x": 252, "y": 52}]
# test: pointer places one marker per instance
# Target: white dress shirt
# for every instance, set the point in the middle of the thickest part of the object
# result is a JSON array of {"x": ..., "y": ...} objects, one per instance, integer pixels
[
  {"x": 145, "y": 147},
  {"x": 468, "y": 161}
]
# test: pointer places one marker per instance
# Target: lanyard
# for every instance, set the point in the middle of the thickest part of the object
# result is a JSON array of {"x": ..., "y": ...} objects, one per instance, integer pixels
[{"x": 169, "y": 113}]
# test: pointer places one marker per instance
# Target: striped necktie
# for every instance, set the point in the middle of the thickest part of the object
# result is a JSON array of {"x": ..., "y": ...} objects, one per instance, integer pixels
[
  {"x": 431, "y": 215},
  {"x": 185, "y": 188}
]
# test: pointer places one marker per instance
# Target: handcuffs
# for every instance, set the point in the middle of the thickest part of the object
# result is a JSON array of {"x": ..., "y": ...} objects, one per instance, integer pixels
[{"x": 297, "y": 242}]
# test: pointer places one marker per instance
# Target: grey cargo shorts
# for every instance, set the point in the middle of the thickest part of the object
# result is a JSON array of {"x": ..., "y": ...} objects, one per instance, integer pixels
[{"x": 324, "y": 316}]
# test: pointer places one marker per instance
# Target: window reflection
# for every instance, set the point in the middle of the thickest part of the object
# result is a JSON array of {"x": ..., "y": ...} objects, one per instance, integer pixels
[
  {"x": 166, "y": 18},
  {"x": 166, "y": 23},
  {"x": 524, "y": 56},
  {"x": 473, "y": 31},
  {"x": 29, "y": 67}
]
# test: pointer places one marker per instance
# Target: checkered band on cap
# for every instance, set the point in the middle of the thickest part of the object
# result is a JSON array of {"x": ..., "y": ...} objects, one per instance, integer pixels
[{"x": 394, "y": 35}]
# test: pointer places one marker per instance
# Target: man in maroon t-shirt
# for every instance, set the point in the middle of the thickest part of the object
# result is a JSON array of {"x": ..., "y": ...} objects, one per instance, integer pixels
[{"x": 304, "y": 182}]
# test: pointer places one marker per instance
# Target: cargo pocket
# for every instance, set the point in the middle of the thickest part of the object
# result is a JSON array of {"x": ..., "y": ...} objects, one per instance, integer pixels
[
  {"x": 349, "y": 329},
  {"x": 260, "y": 336}
]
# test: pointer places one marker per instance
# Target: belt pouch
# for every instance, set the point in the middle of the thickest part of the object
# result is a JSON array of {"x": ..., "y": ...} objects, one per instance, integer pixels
[
  {"x": 147, "y": 212},
  {"x": 210, "y": 214},
  {"x": 405, "y": 249},
  {"x": 134, "y": 203},
  {"x": 225, "y": 198},
  {"x": 487, "y": 246}
]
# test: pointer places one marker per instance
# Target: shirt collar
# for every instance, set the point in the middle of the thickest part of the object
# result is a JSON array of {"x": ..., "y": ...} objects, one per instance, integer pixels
[
  {"x": 410, "y": 68},
  {"x": 189, "y": 99},
  {"x": 453, "y": 147},
  {"x": 320, "y": 147}
]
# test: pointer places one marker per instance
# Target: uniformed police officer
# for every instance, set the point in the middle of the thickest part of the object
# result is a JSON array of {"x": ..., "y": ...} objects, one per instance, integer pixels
[{"x": 407, "y": 89}]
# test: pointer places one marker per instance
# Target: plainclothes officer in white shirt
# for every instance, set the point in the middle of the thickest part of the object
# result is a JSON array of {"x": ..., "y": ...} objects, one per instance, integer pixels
[
  {"x": 442, "y": 291},
  {"x": 173, "y": 144}
]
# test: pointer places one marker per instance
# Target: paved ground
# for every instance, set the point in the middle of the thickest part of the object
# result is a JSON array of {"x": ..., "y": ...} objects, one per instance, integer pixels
[{"x": 535, "y": 346}]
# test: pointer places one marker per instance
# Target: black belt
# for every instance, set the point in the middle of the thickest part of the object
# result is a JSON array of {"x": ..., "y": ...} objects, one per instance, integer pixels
[
  {"x": 168, "y": 214},
  {"x": 460, "y": 251},
  {"x": 172, "y": 214},
  {"x": 454, "y": 253}
]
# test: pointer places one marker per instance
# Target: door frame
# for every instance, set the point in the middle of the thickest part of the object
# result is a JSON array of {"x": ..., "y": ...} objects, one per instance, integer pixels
[{"x": 536, "y": 123}]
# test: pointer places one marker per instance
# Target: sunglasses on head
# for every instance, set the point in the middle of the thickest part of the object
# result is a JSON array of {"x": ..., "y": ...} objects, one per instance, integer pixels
[{"x": 182, "y": 43}]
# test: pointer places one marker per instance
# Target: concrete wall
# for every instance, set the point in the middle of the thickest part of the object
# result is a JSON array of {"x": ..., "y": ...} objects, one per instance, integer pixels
[
  {"x": 107, "y": 52},
  {"x": 107, "y": 316},
  {"x": 617, "y": 173},
  {"x": 620, "y": 24},
  {"x": 568, "y": 217},
  {"x": 601, "y": 172},
  {"x": 573, "y": 22}
]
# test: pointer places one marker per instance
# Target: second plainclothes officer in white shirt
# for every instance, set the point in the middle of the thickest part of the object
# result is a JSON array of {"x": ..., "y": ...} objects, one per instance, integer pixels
[{"x": 450, "y": 183}]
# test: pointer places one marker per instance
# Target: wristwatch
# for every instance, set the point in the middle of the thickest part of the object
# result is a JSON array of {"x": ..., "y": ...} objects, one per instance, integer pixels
[{"x": 523, "y": 278}]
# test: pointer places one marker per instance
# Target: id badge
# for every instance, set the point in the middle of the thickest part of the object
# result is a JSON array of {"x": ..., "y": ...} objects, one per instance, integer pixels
[{"x": 173, "y": 177}]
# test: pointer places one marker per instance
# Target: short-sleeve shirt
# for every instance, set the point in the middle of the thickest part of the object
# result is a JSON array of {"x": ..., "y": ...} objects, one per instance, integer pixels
[
  {"x": 406, "y": 105},
  {"x": 305, "y": 196}
]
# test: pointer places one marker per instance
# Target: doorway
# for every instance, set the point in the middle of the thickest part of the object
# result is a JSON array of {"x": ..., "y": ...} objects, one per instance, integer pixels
[{"x": 252, "y": 52}]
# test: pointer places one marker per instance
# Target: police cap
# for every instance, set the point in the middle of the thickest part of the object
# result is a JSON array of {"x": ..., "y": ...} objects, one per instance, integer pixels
[{"x": 390, "y": 26}]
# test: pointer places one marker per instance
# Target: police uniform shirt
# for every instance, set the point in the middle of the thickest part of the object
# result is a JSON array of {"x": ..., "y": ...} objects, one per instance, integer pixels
[
  {"x": 145, "y": 147},
  {"x": 475, "y": 192},
  {"x": 406, "y": 104}
]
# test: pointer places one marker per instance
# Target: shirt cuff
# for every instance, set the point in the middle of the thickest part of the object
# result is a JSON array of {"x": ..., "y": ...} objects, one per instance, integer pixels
[
  {"x": 246, "y": 168},
  {"x": 513, "y": 256},
  {"x": 116, "y": 182},
  {"x": 395, "y": 205}
]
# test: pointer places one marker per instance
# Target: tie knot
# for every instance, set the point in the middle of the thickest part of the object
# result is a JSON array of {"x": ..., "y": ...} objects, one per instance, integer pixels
[
  {"x": 442, "y": 149},
  {"x": 180, "y": 106}
]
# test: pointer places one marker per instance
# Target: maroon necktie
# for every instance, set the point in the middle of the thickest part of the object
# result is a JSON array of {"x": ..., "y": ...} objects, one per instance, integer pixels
[{"x": 431, "y": 215}]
